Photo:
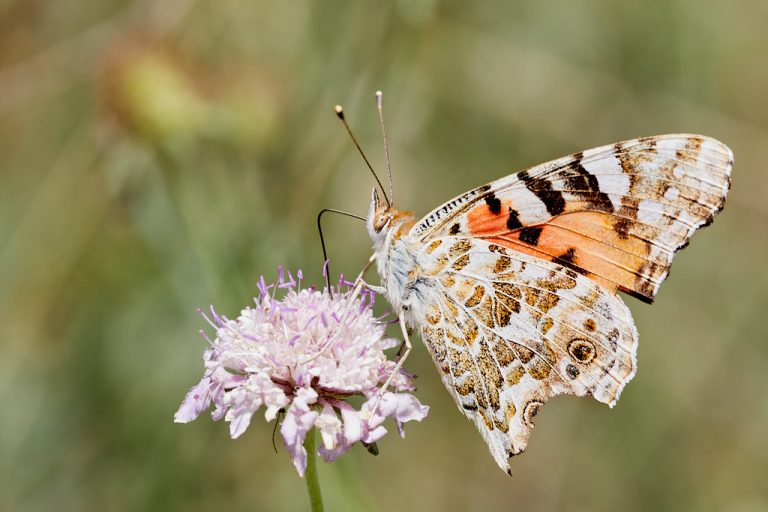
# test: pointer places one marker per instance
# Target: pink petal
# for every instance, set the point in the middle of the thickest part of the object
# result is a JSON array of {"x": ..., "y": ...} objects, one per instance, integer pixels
[
  {"x": 374, "y": 435},
  {"x": 239, "y": 423},
  {"x": 353, "y": 425},
  {"x": 335, "y": 453},
  {"x": 401, "y": 407},
  {"x": 329, "y": 426},
  {"x": 197, "y": 400},
  {"x": 298, "y": 421},
  {"x": 408, "y": 408}
]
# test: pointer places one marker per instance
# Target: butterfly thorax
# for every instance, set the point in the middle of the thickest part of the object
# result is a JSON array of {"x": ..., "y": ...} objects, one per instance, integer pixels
[
  {"x": 396, "y": 261},
  {"x": 396, "y": 254}
]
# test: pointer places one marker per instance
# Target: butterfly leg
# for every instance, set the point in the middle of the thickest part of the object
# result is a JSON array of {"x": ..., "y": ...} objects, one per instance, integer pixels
[
  {"x": 377, "y": 289},
  {"x": 398, "y": 365},
  {"x": 408, "y": 346},
  {"x": 401, "y": 349},
  {"x": 360, "y": 282}
]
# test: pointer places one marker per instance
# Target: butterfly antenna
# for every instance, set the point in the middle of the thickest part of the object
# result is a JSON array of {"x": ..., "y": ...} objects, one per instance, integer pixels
[
  {"x": 326, "y": 265},
  {"x": 340, "y": 114},
  {"x": 379, "y": 98}
]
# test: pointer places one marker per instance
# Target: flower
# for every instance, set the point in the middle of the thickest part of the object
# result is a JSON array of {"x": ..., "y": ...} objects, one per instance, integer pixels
[{"x": 306, "y": 355}]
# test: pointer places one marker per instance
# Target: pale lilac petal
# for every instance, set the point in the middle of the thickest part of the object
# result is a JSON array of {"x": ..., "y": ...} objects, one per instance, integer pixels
[
  {"x": 374, "y": 435},
  {"x": 335, "y": 453},
  {"x": 271, "y": 412},
  {"x": 335, "y": 433},
  {"x": 197, "y": 400},
  {"x": 219, "y": 412},
  {"x": 269, "y": 394},
  {"x": 305, "y": 396},
  {"x": 401, "y": 407},
  {"x": 297, "y": 423},
  {"x": 408, "y": 408},
  {"x": 353, "y": 425},
  {"x": 239, "y": 423},
  {"x": 330, "y": 427}
]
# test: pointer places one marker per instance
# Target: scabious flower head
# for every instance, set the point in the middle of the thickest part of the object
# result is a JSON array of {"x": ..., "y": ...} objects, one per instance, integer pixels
[{"x": 305, "y": 353}]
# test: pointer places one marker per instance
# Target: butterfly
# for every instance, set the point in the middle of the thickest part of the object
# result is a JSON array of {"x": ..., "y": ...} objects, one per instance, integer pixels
[{"x": 513, "y": 286}]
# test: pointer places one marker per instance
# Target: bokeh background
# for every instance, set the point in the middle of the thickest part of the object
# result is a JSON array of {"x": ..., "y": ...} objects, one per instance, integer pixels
[{"x": 160, "y": 156}]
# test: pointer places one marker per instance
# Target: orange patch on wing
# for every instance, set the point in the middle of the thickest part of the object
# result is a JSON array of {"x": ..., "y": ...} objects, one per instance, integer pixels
[
  {"x": 482, "y": 221},
  {"x": 584, "y": 241}
]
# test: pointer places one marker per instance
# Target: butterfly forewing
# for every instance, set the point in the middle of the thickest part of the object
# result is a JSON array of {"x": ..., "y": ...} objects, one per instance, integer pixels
[{"x": 616, "y": 213}]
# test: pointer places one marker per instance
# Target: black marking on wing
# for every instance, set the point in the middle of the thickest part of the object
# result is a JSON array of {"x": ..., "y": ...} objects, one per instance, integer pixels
[
  {"x": 621, "y": 226},
  {"x": 530, "y": 235},
  {"x": 513, "y": 222},
  {"x": 553, "y": 199},
  {"x": 583, "y": 184},
  {"x": 639, "y": 296},
  {"x": 493, "y": 203},
  {"x": 568, "y": 260}
]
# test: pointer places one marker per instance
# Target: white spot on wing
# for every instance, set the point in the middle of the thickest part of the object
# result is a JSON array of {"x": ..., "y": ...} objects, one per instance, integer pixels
[
  {"x": 607, "y": 164},
  {"x": 610, "y": 177},
  {"x": 671, "y": 194},
  {"x": 648, "y": 212},
  {"x": 530, "y": 209},
  {"x": 617, "y": 185},
  {"x": 670, "y": 145}
]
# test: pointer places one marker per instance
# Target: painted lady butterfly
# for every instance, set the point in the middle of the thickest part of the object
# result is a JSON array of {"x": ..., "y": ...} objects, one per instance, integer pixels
[{"x": 513, "y": 285}]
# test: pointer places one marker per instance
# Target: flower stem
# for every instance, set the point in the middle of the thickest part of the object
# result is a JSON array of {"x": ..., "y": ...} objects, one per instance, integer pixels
[{"x": 313, "y": 484}]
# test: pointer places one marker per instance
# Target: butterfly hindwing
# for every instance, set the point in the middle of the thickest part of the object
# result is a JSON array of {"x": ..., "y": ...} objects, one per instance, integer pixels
[
  {"x": 616, "y": 213},
  {"x": 508, "y": 331}
]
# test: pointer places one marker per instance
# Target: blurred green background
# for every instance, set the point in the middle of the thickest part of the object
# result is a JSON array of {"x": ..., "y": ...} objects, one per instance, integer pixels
[{"x": 160, "y": 156}]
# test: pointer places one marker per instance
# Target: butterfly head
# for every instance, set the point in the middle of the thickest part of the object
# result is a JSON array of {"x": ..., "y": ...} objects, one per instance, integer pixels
[
  {"x": 380, "y": 217},
  {"x": 384, "y": 219}
]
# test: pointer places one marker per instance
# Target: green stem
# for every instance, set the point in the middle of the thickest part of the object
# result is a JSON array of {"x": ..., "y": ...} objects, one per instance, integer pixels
[{"x": 313, "y": 484}]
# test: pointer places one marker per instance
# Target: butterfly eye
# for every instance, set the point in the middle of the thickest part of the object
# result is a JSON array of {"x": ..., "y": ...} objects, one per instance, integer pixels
[{"x": 380, "y": 221}]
